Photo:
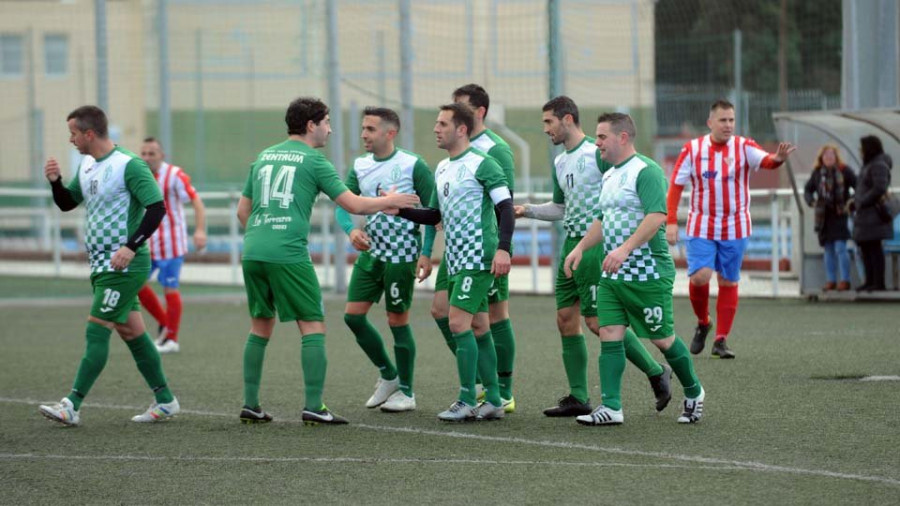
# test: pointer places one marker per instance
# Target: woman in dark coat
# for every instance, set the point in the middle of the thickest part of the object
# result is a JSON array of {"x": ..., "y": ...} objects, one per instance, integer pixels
[
  {"x": 828, "y": 192},
  {"x": 869, "y": 225}
]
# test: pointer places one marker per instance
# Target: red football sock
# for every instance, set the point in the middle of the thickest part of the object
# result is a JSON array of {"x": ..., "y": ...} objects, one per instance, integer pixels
[
  {"x": 700, "y": 302},
  {"x": 726, "y": 308},
  {"x": 173, "y": 306},
  {"x": 151, "y": 303}
]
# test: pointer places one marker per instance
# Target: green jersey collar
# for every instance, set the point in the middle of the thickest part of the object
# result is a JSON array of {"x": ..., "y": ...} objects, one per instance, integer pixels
[
  {"x": 576, "y": 148},
  {"x": 107, "y": 155},
  {"x": 388, "y": 157},
  {"x": 624, "y": 162}
]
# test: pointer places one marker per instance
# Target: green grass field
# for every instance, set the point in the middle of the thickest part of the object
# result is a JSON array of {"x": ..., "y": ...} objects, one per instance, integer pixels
[{"x": 785, "y": 423}]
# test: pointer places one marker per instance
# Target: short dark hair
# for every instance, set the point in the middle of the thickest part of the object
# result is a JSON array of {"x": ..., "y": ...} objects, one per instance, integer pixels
[
  {"x": 90, "y": 117},
  {"x": 478, "y": 96},
  {"x": 871, "y": 147},
  {"x": 153, "y": 139},
  {"x": 561, "y": 106},
  {"x": 387, "y": 115},
  {"x": 721, "y": 104},
  {"x": 618, "y": 123},
  {"x": 462, "y": 115},
  {"x": 303, "y": 110}
]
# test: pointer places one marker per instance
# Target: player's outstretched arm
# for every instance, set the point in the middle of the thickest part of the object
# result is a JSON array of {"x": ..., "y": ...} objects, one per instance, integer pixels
[
  {"x": 421, "y": 215},
  {"x": 784, "y": 150},
  {"x": 371, "y": 205},
  {"x": 548, "y": 211}
]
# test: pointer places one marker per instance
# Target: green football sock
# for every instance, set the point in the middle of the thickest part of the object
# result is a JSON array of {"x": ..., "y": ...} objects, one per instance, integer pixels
[
  {"x": 148, "y": 362},
  {"x": 315, "y": 363},
  {"x": 487, "y": 366},
  {"x": 575, "y": 361},
  {"x": 371, "y": 343},
  {"x": 96, "y": 352},
  {"x": 444, "y": 325},
  {"x": 678, "y": 357},
  {"x": 505, "y": 344},
  {"x": 466, "y": 365},
  {"x": 638, "y": 355},
  {"x": 612, "y": 365},
  {"x": 405, "y": 353},
  {"x": 254, "y": 355}
]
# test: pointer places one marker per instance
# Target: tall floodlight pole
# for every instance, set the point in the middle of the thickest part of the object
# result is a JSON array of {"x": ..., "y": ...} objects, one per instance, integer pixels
[
  {"x": 408, "y": 138},
  {"x": 165, "y": 104},
  {"x": 100, "y": 47},
  {"x": 554, "y": 61},
  {"x": 336, "y": 144}
]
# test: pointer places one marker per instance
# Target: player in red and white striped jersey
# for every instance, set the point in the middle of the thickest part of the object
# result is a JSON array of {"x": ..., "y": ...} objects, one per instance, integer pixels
[
  {"x": 169, "y": 243},
  {"x": 718, "y": 167}
]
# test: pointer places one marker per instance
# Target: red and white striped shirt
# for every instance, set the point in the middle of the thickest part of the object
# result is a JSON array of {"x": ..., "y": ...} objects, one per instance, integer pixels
[
  {"x": 720, "y": 185},
  {"x": 170, "y": 239}
]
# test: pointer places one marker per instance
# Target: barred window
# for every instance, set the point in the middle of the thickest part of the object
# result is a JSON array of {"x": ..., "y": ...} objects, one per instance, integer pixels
[
  {"x": 12, "y": 59},
  {"x": 56, "y": 54}
]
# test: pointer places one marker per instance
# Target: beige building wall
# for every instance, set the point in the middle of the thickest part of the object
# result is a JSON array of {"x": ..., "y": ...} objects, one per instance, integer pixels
[
  {"x": 56, "y": 96},
  {"x": 259, "y": 56}
]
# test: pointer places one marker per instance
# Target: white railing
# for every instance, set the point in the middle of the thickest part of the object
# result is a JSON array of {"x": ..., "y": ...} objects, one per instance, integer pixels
[{"x": 45, "y": 229}]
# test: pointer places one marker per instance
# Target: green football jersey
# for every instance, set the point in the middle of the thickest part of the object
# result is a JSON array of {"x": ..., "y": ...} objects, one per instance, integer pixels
[
  {"x": 393, "y": 239},
  {"x": 115, "y": 190},
  {"x": 468, "y": 186},
  {"x": 631, "y": 191},
  {"x": 577, "y": 181},
  {"x": 283, "y": 184},
  {"x": 494, "y": 145}
]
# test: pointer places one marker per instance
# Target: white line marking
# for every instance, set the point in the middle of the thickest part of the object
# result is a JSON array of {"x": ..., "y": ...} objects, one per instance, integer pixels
[
  {"x": 734, "y": 464},
  {"x": 880, "y": 378},
  {"x": 342, "y": 460}
]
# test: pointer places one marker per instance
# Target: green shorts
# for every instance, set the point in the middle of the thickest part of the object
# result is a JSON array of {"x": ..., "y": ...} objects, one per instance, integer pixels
[
  {"x": 115, "y": 294},
  {"x": 290, "y": 289},
  {"x": 498, "y": 293},
  {"x": 440, "y": 282},
  {"x": 372, "y": 277},
  {"x": 582, "y": 286},
  {"x": 645, "y": 306},
  {"x": 469, "y": 290}
]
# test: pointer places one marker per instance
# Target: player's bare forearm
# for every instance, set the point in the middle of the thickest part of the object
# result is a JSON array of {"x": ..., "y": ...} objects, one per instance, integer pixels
[
  {"x": 199, "y": 213},
  {"x": 593, "y": 237},
  {"x": 245, "y": 205}
]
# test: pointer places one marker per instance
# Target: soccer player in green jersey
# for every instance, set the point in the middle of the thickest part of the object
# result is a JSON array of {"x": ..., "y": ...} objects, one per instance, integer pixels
[
  {"x": 390, "y": 259},
  {"x": 576, "y": 198},
  {"x": 279, "y": 277},
  {"x": 471, "y": 192},
  {"x": 124, "y": 207},
  {"x": 486, "y": 141},
  {"x": 637, "y": 272}
]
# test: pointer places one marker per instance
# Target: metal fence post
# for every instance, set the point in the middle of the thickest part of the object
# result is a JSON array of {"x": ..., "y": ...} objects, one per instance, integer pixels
[{"x": 773, "y": 199}]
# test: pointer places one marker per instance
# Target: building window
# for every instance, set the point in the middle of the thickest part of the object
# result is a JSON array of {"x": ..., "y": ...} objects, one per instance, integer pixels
[
  {"x": 56, "y": 54},
  {"x": 12, "y": 59}
]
